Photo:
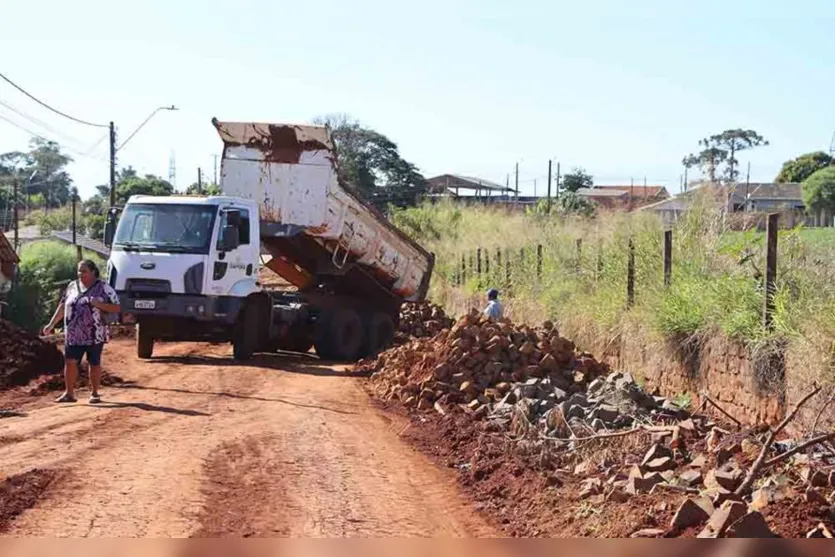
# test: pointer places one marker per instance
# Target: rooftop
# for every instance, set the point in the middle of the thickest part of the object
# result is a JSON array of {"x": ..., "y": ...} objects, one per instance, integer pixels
[
  {"x": 601, "y": 192},
  {"x": 457, "y": 181},
  {"x": 7, "y": 253}
]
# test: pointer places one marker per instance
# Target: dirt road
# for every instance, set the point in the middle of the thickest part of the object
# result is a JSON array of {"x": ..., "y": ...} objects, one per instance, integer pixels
[{"x": 197, "y": 445}]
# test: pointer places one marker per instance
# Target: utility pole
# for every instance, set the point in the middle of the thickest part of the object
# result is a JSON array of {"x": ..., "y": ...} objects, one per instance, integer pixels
[
  {"x": 558, "y": 181},
  {"x": 199, "y": 181},
  {"x": 215, "y": 182},
  {"x": 685, "y": 178},
  {"x": 747, "y": 184},
  {"x": 534, "y": 189},
  {"x": 16, "y": 222},
  {"x": 517, "y": 180},
  {"x": 549, "y": 184},
  {"x": 112, "y": 165},
  {"x": 73, "y": 194}
]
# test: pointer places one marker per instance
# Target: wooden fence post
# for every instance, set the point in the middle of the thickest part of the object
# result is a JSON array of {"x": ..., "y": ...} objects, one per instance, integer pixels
[
  {"x": 478, "y": 262},
  {"x": 506, "y": 266},
  {"x": 539, "y": 262},
  {"x": 630, "y": 276},
  {"x": 487, "y": 262},
  {"x": 668, "y": 257},
  {"x": 579, "y": 244},
  {"x": 770, "y": 270},
  {"x": 599, "y": 260},
  {"x": 463, "y": 268},
  {"x": 470, "y": 273},
  {"x": 498, "y": 264}
]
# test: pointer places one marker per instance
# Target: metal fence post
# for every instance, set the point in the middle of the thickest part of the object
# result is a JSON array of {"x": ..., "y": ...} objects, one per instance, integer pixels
[{"x": 668, "y": 257}]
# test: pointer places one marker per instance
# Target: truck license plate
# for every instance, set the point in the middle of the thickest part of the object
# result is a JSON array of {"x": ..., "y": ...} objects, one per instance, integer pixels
[{"x": 144, "y": 304}]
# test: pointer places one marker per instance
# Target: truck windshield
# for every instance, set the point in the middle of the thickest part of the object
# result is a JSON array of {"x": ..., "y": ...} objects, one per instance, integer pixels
[{"x": 166, "y": 227}]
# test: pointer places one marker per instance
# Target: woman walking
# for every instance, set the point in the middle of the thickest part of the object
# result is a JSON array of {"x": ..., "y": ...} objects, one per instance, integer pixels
[{"x": 82, "y": 308}]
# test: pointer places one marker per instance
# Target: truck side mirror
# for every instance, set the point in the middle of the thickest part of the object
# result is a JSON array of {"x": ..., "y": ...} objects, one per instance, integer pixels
[
  {"x": 230, "y": 238},
  {"x": 110, "y": 227}
]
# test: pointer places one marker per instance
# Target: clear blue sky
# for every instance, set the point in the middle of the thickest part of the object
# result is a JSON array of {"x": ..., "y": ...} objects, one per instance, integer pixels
[{"x": 624, "y": 89}]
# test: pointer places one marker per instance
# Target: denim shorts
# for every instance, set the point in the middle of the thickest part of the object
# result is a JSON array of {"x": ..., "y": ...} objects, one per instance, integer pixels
[{"x": 77, "y": 352}]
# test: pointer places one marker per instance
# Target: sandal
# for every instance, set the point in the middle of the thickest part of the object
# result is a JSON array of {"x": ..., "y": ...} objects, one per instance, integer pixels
[
  {"x": 65, "y": 398},
  {"x": 95, "y": 398}
]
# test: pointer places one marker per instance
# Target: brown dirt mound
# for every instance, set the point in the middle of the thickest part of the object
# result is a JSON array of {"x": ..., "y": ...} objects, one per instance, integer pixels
[
  {"x": 21, "y": 492},
  {"x": 24, "y": 356}
]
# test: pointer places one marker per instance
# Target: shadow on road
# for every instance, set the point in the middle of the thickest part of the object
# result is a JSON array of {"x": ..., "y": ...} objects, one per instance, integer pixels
[
  {"x": 237, "y": 396},
  {"x": 291, "y": 362},
  {"x": 148, "y": 407}
]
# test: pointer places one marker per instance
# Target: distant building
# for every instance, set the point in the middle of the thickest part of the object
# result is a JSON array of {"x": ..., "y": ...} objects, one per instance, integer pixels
[
  {"x": 454, "y": 185},
  {"x": 623, "y": 197},
  {"x": 740, "y": 200}
]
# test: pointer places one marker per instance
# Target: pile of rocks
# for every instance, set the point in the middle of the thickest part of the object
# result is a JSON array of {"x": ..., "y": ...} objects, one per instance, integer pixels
[
  {"x": 479, "y": 363},
  {"x": 536, "y": 386},
  {"x": 423, "y": 319}
]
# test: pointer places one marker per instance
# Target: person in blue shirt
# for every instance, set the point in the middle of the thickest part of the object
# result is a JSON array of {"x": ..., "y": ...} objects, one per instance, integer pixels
[{"x": 494, "y": 308}]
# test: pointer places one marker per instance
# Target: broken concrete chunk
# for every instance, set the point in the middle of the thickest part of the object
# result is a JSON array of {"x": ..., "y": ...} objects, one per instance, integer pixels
[
  {"x": 721, "y": 520},
  {"x": 636, "y": 485},
  {"x": 660, "y": 464},
  {"x": 698, "y": 462},
  {"x": 655, "y": 452},
  {"x": 752, "y": 525},
  {"x": 723, "y": 481},
  {"x": 606, "y": 413},
  {"x": 690, "y": 477},
  {"x": 689, "y": 514},
  {"x": 591, "y": 486}
]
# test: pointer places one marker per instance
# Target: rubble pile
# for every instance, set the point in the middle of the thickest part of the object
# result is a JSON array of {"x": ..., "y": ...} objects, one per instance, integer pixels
[
  {"x": 24, "y": 356},
  {"x": 423, "y": 319},
  {"x": 607, "y": 438},
  {"x": 478, "y": 363}
]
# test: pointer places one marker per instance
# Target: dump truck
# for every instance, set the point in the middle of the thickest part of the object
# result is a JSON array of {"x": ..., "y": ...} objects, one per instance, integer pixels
[{"x": 187, "y": 268}]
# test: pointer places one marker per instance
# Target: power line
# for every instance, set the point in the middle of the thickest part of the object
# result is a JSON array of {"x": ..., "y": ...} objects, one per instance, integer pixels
[
  {"x": 40, "y": 123},
  {"x": 40, "y": 102},
  {"x": 39, "y": 136}
]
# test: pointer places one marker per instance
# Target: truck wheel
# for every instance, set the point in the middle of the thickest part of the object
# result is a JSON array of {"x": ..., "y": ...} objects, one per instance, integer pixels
[
  {"x": 144, "y": 342},
  {"x": 245, "y": 340},
  {"x": 379, "y": 334},
  {"x": 339, "y": 335}
]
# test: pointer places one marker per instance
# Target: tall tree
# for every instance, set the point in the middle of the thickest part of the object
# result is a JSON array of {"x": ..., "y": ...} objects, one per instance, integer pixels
[
  {"x": 208, "y": 189},
  {"x": 819, "y": 190},
  {"x": 722, "y": 148},
  {"x": 576, "y": 179},
  {"x": 800, "y": 168},
  {"x": 52, "y": 179},
  {"x": 734, "y": 141},
  {"x": 371, "y": 163},
  {"x": 148, "y": 185},
  {"x": 707, "y": 160}
]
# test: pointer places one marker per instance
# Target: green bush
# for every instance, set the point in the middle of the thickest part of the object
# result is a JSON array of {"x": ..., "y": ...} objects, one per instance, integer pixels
[{"x": 46, "y": 267}]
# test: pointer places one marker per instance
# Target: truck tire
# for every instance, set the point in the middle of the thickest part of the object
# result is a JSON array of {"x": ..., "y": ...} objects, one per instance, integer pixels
[
  {"x": 245, "y": 339},
  {"x": 144, "y": 342},
  {"x": 379, "y": 333},
  {"x": 339, "y": 335}
]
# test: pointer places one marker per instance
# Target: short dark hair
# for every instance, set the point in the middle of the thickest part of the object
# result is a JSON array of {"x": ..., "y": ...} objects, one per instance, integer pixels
[{"x": 91, "y": 266}]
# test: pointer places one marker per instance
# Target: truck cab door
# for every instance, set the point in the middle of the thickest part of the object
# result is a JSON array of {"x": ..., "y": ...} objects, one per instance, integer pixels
[{"x": 233, "y": 259}]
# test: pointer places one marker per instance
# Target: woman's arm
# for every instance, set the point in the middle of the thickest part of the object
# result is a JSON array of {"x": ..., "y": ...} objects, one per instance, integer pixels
[
  {"x": 56, "y": 317},
  {"x": 108, "y": 308}
]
